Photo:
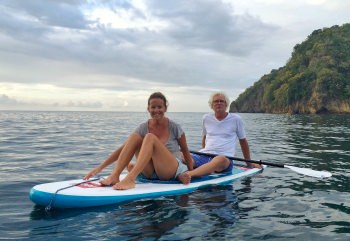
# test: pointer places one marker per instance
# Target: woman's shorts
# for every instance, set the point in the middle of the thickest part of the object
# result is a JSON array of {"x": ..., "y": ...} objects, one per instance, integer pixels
[
  {"x": 200, "y": 160},
  {"x": 180, "y": 169}
]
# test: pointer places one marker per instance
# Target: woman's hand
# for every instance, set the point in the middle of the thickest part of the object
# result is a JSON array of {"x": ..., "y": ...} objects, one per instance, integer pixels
[{"x": 93, "y": 172}]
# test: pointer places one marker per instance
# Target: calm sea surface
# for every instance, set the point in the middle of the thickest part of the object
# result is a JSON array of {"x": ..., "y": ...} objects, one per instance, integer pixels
[{"x": 278, "y": 204}]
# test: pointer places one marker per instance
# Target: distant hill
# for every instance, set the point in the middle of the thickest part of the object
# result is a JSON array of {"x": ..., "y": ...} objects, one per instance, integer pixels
[{"x": 316, "y": 79}]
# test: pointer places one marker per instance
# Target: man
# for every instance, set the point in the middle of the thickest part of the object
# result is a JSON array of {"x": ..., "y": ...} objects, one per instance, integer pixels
[{"x": 221, "y": 130}]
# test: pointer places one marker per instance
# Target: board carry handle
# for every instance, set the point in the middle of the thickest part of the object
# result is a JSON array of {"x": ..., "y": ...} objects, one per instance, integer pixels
[{"x": 48, "y": 208}]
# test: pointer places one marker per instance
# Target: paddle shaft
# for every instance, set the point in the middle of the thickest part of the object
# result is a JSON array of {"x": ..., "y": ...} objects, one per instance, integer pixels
[{"x": 240, "y": 159}]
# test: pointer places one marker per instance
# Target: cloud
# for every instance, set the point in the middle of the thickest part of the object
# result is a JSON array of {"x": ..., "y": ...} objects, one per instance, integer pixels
[
  {"x": 5, "y": 100},
  {"x": 176, "y": 54},
  {"x": 81, "y": 104},
  {"x": 212, "y": 25},
  {"x": 130, "y": 48},
  {"x": 9, "y": 103},
  {"x": 50, "y": 12}
]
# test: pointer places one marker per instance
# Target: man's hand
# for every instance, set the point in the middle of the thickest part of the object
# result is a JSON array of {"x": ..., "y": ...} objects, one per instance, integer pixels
[{"x": 254, "y": 165}]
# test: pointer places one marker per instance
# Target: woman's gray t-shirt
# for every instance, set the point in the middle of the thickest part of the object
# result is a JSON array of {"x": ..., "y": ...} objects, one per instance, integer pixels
[{"x": 175, "y": 131}]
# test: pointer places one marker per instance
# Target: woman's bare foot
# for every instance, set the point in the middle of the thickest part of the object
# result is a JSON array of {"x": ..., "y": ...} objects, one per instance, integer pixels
[
  {"x": 125, "y": 184},
  {"x": 110, "y": 180},
  {"x": 130, "y": 166},
  {"x": 184, "y": 178}
]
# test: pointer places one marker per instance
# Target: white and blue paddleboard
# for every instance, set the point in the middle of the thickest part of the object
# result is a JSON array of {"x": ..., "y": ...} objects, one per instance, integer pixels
[{"x": 79, "y": 193}]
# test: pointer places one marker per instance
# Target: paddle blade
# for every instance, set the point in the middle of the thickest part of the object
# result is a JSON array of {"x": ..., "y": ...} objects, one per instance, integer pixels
[{"x": 310, "y": 172}]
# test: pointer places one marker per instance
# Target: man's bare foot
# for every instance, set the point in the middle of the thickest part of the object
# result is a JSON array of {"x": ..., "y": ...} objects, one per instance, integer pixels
[
  {"x": 110, "y": 180},
  {"x": 130, "y": 166},
  {"x": 125, "y": 184},
  {"x": 184, "y": 178}
]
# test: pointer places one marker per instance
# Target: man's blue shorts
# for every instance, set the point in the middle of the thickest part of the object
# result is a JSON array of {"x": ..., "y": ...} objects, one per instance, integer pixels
[{"x": 200, "y": 160}]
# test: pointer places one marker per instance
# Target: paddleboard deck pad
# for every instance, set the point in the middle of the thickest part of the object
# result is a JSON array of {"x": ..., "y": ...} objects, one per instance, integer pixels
[{"x": 80, "y": 193}]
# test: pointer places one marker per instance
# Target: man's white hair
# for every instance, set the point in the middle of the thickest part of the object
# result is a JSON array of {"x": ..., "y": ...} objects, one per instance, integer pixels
[{"x": 218, "y": 93}]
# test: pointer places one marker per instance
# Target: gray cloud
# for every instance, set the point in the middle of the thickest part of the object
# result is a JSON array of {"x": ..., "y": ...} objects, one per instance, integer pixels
[
  {"x": 196, "y": 31},
  {"x": 5, "y": 100},
  {"x": 50, "y": 12},
  {"x": 206, "y": 45},
  {"x": 212, "y": 25},
  {"x": 81, "y": 104}
]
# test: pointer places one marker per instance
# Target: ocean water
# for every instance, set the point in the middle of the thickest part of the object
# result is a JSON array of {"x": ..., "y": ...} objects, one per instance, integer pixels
[{"x": 277, "y": 204}]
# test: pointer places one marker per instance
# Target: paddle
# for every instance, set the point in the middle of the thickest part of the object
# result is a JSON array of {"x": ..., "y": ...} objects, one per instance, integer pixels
[{"x": 304, "y": 171}]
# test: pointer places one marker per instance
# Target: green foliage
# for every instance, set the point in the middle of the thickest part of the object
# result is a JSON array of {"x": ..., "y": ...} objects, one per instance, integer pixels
[{"x": 319, "y": 68}]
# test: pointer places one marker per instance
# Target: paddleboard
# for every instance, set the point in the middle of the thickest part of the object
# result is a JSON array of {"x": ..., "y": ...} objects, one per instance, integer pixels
[{"x": 79, "y": 193}]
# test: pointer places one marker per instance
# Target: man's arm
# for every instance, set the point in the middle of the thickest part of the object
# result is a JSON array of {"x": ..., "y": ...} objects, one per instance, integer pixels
[
  {"x": 245, "y": 148},
  {"x": 246, "y": 152},
  {"x": 203, "y": 142}
]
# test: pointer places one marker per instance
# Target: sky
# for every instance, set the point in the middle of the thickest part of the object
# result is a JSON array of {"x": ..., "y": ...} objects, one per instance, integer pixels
[{"x": 75, "y": 55}]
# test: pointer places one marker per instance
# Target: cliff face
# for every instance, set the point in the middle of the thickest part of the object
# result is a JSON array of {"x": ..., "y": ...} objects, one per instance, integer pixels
[{"x": 315, "y": 80}]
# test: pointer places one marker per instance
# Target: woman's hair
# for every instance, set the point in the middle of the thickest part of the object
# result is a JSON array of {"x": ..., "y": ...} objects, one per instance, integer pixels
[
  {"x": 158, "y": 95},
  {"x": 218, "y": 93}
]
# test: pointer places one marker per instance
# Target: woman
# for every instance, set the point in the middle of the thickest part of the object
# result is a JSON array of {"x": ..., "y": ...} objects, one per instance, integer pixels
[{"x": 156, "y": 145}]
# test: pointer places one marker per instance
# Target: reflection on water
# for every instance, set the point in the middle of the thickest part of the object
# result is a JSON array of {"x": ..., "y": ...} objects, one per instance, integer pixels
[{"x": 206, "y": 213}]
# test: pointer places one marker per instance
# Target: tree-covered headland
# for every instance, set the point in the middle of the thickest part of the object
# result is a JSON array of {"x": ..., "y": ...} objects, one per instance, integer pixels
[{"x": 316, "y": 79}]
